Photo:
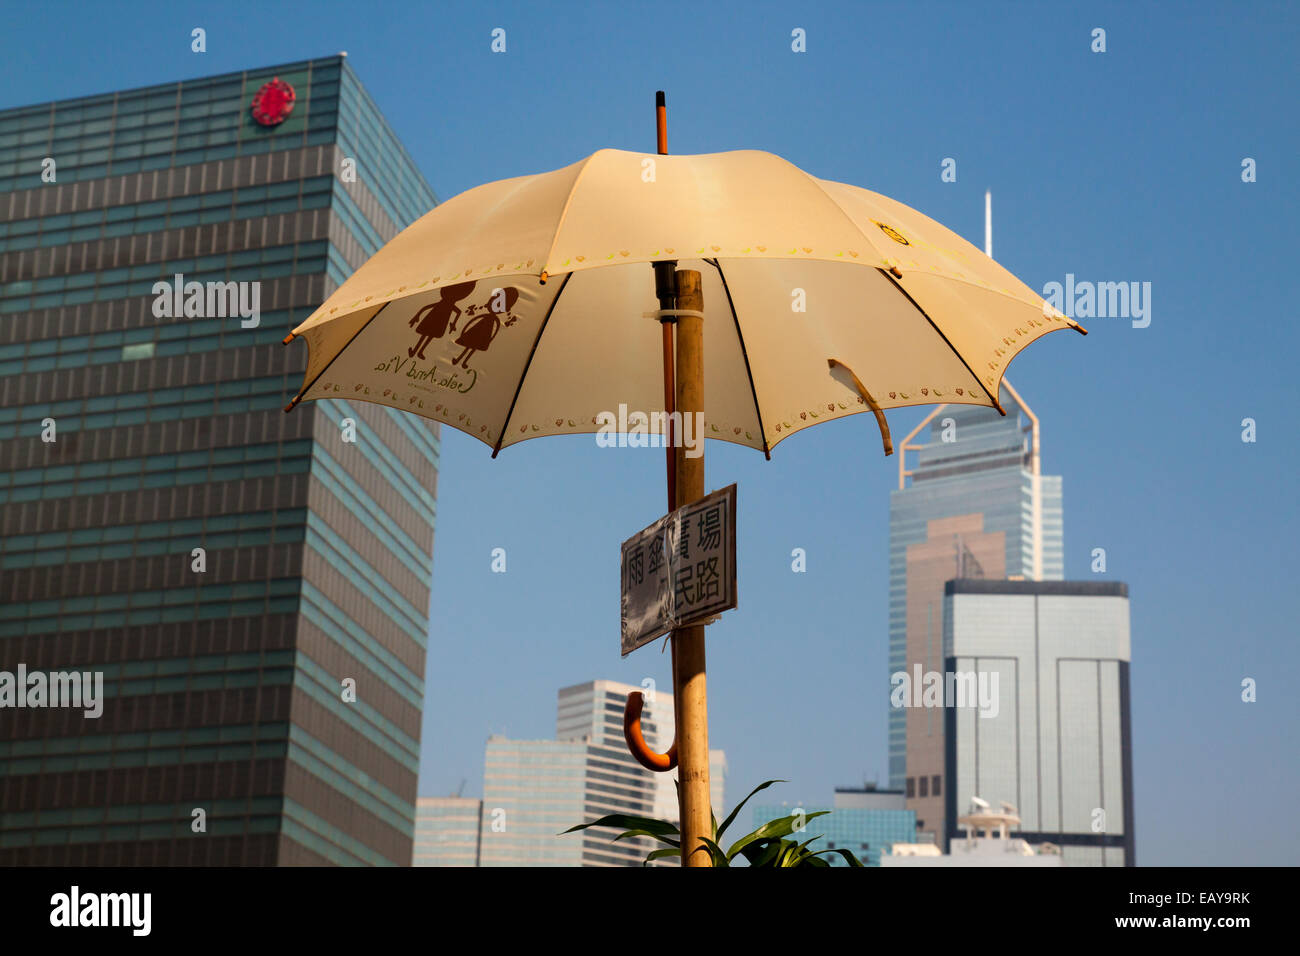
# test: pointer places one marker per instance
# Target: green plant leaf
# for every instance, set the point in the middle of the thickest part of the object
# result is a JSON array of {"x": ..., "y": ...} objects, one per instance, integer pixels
[
  {"x": 717, "y": 854},
  {"x": 661, "y": 854},
  {"x": 852, "y": 860},
  {"x": 762, "y": 852},
  {"x": 732, "y": 816},
  {"x": 625, "y": 821},
  {"x": 629, "y": 834},
  {"x": 782, "y": 826},
  {"x": 789, "y": 855}
]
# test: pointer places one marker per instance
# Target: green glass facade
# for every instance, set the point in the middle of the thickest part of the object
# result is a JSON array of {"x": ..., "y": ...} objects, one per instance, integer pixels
[{"x": 278, "y": 686}]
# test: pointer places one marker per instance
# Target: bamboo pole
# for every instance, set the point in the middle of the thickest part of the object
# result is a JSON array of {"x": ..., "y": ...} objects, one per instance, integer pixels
[{"x": 690, "y": 696}]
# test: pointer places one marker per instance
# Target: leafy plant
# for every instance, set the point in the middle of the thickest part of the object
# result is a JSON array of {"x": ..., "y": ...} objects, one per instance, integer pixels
[{"x": 766, "y": 846}]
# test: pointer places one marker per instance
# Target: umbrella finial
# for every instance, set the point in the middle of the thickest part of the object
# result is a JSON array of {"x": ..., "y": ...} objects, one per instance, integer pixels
[{"x": 661, "y": 122}]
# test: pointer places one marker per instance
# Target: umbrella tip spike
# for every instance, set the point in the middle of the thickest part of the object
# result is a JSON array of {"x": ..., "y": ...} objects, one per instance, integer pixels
[{"x": 287, "y": 339}]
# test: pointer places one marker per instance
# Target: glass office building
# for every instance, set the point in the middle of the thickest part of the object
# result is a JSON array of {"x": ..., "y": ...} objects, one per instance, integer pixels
[
  {"x": 252, "y": 585},
  {"x": 976, "y": 505},
  {"x": 1059, "y": 747}
]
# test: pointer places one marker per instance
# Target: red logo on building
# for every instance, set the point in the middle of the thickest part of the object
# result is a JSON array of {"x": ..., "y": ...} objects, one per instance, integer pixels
[{"x": 273, "y": 103}]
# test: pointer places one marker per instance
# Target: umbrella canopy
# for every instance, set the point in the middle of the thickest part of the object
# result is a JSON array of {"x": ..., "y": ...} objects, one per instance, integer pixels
[{"x": 518, "y": 309}]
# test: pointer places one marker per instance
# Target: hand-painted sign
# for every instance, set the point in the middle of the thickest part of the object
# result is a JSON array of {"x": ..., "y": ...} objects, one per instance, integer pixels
[{"x": 681, "y": 570}]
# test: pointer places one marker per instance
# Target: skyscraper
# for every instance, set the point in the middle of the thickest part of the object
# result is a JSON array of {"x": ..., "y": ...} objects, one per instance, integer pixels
[
  {"x": 252, "y": 586},
  {"x": 1059, "y": 747},
  {"x": 977, "y": 506}
]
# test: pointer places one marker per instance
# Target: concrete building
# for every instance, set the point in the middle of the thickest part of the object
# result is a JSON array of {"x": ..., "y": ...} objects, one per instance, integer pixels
[
  {"x": 1059, "y": 749},
  {"x": 976, "y": 505},
  {"x": 447, "y": 831},
  {"x": 253, "y": 586}
]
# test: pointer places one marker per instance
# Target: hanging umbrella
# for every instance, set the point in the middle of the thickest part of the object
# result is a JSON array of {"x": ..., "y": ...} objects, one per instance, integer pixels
[{"x": 521, "y": 309}]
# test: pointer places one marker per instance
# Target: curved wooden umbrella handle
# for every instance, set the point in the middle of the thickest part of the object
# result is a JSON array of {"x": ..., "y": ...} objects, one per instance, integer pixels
[{"x": 636, "y": 744}]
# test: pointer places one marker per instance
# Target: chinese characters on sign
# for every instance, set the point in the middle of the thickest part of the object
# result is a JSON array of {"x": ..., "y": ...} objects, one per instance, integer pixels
[{"x": 681, "y": 570}]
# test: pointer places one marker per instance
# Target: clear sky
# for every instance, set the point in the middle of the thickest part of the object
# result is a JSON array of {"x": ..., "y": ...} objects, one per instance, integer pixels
[{"x": 1117, "y": 166}]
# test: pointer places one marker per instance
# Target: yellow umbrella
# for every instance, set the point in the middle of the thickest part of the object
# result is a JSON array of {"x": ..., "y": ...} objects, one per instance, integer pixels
[
  {"x": 518, "y": 309},
  {"x": 523, "y": 308}
]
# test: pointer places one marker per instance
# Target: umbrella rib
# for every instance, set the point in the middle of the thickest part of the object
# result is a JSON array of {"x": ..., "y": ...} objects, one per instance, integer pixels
[
  {"x": 564, "y": 214},
  {"x": 307, "y": 387},
  {"x": 897, "y": 285},
  {"x": 744, "y": 353},
  {"x": 533, "y": 351}
]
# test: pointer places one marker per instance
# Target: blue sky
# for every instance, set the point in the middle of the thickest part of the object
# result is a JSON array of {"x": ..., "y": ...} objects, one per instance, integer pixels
[{"x": 1115, "y": 166}]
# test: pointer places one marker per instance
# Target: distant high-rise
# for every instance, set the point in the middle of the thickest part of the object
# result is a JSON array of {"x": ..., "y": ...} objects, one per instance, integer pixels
[
  {"x": 976, "y": 506},
  {"x": 1059, "y": 748},
  {"x": 447, "y": 831},
  {"x": 253, "y": 586},
  {"x": 532, "y": 792}
]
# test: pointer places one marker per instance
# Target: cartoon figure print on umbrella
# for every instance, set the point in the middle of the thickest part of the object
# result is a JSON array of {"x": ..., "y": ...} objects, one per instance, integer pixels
[
  {"x": 483, "y": 328},
  {"x": 436, "y": 318}
]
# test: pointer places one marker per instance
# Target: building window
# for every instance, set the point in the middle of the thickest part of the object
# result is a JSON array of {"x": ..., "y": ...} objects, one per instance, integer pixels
[
  {"x": 934, "y": 786},
  {"x": 925, "y": 786},
  {"x": 911, "y": 786}
]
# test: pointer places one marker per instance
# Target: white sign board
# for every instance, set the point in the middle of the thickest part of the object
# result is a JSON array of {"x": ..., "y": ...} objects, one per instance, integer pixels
[{"x": 681, "y": 570}]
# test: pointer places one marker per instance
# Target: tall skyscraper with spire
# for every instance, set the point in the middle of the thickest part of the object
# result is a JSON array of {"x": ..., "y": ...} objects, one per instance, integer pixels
[{"x": 973, "y": 504}]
